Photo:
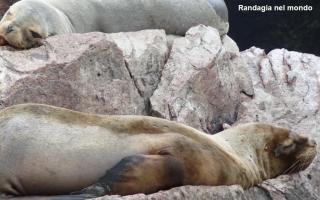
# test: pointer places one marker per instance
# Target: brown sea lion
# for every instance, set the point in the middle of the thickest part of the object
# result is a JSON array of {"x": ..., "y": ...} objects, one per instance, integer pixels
[
  {"x": 27, "y": 21},
  {"x": 47, "y": 150}
]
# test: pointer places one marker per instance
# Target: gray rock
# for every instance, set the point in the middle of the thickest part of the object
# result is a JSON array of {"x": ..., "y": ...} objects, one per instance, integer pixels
[
  {"x": 92, "y": 72},
  {"x": 145, "y": 53},
  {"x": 198, "y": 86},
  {"x": 286, "y": 92},
  {"x": 188, "y": 193}
]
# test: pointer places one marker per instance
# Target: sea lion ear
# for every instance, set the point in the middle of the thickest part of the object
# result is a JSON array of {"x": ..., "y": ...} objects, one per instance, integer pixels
[{"x": 285, "y": 148}]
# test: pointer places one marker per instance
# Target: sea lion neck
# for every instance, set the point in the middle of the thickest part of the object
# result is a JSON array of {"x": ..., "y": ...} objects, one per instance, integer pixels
[{"x": 244, "y": 142}]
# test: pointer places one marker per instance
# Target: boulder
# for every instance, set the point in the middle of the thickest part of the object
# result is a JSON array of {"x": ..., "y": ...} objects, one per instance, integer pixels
[
  {"x": 287, "y": 93},
  {"x": 91, "y": 72},
  {"x": 188, "y": 193},
  {"x": 198, "y": 86}
]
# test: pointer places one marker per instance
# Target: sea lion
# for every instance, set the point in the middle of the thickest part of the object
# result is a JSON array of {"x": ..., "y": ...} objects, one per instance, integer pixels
[
  {"x": 47, "y": 150},
  {"x": 29, "y": 20}
]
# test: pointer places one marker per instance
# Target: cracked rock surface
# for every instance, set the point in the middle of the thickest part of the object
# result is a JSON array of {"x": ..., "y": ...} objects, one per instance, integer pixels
[
  {"x": 92, "y": 72},
  {"x": 198, "y": 86},
  {"x": 129, "y": 73},
  {"x": 201, "y": 80}
]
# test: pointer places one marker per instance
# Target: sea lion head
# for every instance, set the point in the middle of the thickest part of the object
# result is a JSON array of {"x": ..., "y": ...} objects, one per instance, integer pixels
[
  {"x": 288, "y": 151},
  {"x": 22, "y": 26}
]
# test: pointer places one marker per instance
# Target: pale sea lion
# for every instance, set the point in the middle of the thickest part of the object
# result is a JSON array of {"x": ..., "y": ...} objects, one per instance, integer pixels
[
  {"x": 47, "y": 150},
  {"x": 29, "y": 20}
]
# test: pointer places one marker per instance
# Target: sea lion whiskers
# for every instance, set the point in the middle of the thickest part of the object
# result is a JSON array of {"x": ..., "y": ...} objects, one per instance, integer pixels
[{"x": 292, "y": 168}]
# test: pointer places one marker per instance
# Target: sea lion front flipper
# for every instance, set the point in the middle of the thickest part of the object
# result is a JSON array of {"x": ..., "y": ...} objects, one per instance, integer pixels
[{"x": 139, "y": 174}]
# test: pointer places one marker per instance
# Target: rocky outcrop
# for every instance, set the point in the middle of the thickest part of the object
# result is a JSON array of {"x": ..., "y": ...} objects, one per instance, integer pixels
[
  {"x": 287, "y": 89},
  {"x": 198, "y": 85},
  {"x": 128, "y": 73},
  {"x": 201, "y": 80},
  {"x": 188, "y": 192},
  {"x": 85, "y": 72}
]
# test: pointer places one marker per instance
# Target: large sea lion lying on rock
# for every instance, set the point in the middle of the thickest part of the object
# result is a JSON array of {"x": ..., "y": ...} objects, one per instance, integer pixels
[
  {"x": 29, "y": 20},
  {"x": 47, "y": 150}
]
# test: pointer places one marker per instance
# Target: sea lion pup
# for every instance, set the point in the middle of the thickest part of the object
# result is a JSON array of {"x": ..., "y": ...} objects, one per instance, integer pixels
[
  {"x": 29, "y": 20},
  {"x": 47, "y": 150}
]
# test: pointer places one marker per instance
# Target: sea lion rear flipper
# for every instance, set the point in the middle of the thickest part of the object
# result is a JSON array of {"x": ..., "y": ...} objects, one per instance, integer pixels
[{"x": 139, "y": 174}]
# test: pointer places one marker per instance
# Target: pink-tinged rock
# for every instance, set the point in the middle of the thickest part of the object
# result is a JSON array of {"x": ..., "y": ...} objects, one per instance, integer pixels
[
  {"x": 188, "y": 193},
  {"x": 198, "y": 86},
  {"x": 145, "y": 53},
  {"x": 85, "y": 72},
  {"x": 287, "y": 93}
]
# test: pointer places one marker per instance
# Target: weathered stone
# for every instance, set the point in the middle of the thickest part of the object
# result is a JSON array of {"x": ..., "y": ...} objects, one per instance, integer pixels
[
  {"x": 145, "y": 54},
  {"x": 188, "y": 193},
  {"x": 85, "y": 72},
  {"x": 198, "y": 86},
  {"x": 287, "y": 89}
]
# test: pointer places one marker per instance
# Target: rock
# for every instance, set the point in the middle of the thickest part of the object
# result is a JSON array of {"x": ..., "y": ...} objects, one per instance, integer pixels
[
  {"x": 198, "y": 86},
  {"x": 86, "y": 72},
  {"x": 188, "y": 193},
  {"x": 145, "y": 54}
]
